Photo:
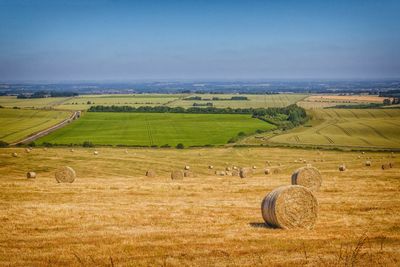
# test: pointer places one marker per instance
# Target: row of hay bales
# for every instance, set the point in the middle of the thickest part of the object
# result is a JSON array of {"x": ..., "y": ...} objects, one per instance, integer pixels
[
  {"x": 295, "y": 205},
  {"x": 62, "y": 175}
]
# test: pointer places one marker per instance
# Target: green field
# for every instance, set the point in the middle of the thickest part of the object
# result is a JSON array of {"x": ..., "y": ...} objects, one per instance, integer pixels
[
  {"x": 254, "y": 101},
  {"x": 147, "y": 129},
  {"x": 344, "y": 127},
  {"x": 19, "y": 123},
  {"x": 49, "y": 102}
]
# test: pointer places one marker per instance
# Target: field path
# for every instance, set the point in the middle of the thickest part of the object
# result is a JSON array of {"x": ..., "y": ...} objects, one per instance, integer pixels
[{"x": 39, "y": 134}]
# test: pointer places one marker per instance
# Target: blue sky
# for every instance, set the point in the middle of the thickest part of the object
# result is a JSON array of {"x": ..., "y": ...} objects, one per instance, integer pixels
[{"x": 62, "y": 40}]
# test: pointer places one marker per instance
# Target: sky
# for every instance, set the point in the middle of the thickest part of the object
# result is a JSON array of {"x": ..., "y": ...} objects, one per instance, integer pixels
[{"x": 121, "y": 40}]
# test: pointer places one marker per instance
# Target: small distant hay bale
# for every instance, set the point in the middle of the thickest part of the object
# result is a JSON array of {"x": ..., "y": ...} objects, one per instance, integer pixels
[
  {"x": 279, "y": 164},
  {"x": 14, "y": 155},
  {"x": 228, "y": 168},
  {"x": 309, "y": 177},
  {"x": 245, "y": 172},
  {"x": 267, "y": 171},
  {"x": 187, "y": 167},
  {"x": 31, "y": 175},
  {"x": 27, "y": 150},
  {"x": 177, "y": 175},
  {"x": 151, "y": 173},
  {"x": 254, "y": 167},
  {"x": 289, "y": 207},
  {"x": 276, "y": 171},
  {"x": 342, "y": 168},
  {"x": 126, "y": 151},
  {"x": 188, "y": 173},
  {"x": 95, "y": 153},
  {"x": 228, "y": 173},
  {"x": 235, "y": 172},
  {"x": 363, "y": 152},
  {"x": 359, "y": 157},
  {"x": 45, "y": 149},
  {"x": 210, "y": 167},
  {"x": 392, "y": 155},
  {"x": 368, "y": 163},
  {"x": 235, "y": 168},
  {"x": 65, "y": 175},
  {"x": 72, "y": 150}
]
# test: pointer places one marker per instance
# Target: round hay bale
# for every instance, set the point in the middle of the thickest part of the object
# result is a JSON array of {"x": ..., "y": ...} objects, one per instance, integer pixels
[
  {"x": 245, "y": 172},
  {"x": 342, "y": 168},
  {"x": 177, "y": 175},
  {"x": 228, "y": 168},
  {"x": 368, "y": 163},
  {"x": 254, "y": 167},
  {"x": 267, "y": 171},
  {"x": 187, "y": 167},
  {"x": 363, "y": 152},
  {"x": 14, "y": 155},
  {"x": 235, "y": 168},
  {"x": 211, "y": 167},
  {"x": 309, "y": 177},
  {"x": 45, "y": 149},
  {"x": 31, "y": 175},
  {"x": 95, "y": 153},
  {"x": 72, "y": 150},
  {"x": 151, "y": 173},
  {"x": 27, "y": 150},
  {"x": 65, "y": 175},
  {"x": 291, "y": 206}
]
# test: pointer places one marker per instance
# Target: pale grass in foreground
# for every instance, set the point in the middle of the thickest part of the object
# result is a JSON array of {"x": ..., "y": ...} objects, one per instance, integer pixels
[{"x": 113, "y": 215}]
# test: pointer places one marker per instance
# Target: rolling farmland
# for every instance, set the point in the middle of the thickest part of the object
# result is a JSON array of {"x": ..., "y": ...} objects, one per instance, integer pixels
[
  {"x": 49, "y": 102},
  {"x": 158, "y": 129},
  {"x": 345, "y": 127},
  {"x": 19, "y": 123}
]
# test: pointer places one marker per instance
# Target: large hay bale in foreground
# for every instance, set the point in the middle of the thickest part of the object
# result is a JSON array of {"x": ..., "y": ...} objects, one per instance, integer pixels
[
  {"x": 342, "y": 168},
  {"x": 309, "y": 177},
  {"x": 150, "y": 173},
  {"x": 177, "y": 175},
  {"x": 291, "y": 206},
  {"x": 31, "y": 175},
  {"x": 245, "y": 172},
  {"x": 65, "y": 175}
]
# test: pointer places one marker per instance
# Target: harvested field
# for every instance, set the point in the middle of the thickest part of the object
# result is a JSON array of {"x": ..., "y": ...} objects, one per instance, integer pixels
[{"x": 114, "y": 213}]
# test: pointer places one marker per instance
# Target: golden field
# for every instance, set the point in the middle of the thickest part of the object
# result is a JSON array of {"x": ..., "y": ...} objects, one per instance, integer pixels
[{"x": 112, "y": 215}]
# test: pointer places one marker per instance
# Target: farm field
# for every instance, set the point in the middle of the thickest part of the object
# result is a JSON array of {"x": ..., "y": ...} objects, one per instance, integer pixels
[
  {"x": 112, "y": 215},
  {"x": 148, "y": 129},
  {"x": 323, "y": 101},
  {"x": 254, "y": 101},
  {"x": 136, "y": 100},
  {"x": 49, "y": 102},
  {"x": 368, "y": 128},
  {"x": 19, "y": 123}
]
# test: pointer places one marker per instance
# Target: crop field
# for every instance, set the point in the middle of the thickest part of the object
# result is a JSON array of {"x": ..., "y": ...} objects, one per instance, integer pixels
[
  {"x": 19, "y": 123},
  {"x": 254, "y": 101},
  {"x": 148, "y": 129},
  {"x": 84, "y": 102},
  {"x": 323, "y": 101},
  {"x": 112, "y": 215},
  {"x": 49, "y": 102},
  {"x": 372, "y": 128}
]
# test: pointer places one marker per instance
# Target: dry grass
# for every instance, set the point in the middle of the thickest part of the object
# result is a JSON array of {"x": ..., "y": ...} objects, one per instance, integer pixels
[{"x": 112, "y": 215}]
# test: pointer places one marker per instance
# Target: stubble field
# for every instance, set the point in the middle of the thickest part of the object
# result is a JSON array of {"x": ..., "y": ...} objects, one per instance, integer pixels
[{"x": 113, "y": 215}]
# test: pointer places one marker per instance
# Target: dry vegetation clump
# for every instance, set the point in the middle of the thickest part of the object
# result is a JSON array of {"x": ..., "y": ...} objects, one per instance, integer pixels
[
  {"x": 31, "y": 175},
  {"x": 291, "y": 206},
  {"x": 151, "y": 173},
  {"x": 342, "y": 167},
  {"x": 65, "y": 175},
  {"x": 188, "y": 173},
  {"x": 177, "y": 175},
  {"x": 309, "y": 177},
  {"x": 245, "y": 172}
]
